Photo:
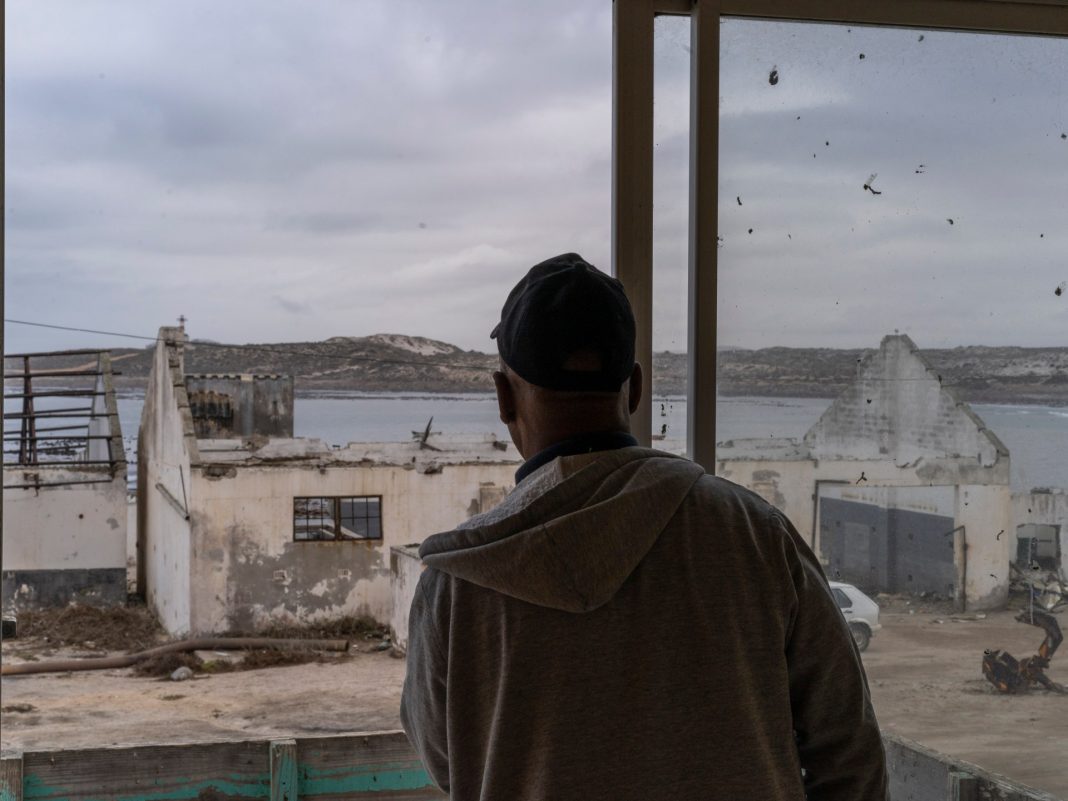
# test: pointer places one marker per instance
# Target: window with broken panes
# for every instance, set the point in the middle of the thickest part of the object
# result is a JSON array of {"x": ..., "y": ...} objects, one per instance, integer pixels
[{"x": 337, "y": 518}]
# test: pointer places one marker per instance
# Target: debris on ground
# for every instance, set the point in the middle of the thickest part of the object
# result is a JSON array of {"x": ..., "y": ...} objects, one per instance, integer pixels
[
  {"x": 182, "y": 674},
  {"x": 166, "y": 664},
  {"x": 11, "y": 708},
  {"x": 1011, "y": 676},
  {"x": 350, "y": 627},
  {"x": 111, "y": 628}
]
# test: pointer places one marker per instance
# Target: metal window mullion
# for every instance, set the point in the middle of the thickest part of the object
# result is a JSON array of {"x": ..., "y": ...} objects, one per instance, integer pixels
[
  {"x": 632, "y": 183},
  {"x": 704, "y": 226}
]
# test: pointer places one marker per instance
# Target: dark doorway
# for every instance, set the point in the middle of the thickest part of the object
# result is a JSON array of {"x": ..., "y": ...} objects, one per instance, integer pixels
[{"x": 887, "y": 549}]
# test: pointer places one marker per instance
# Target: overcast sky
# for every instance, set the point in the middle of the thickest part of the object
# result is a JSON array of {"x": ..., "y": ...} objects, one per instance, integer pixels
[{"x": 294, "y": 171}]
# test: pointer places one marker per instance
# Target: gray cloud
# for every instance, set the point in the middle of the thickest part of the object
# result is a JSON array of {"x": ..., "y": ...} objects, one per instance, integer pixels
[{"x": 279, "y": 171}]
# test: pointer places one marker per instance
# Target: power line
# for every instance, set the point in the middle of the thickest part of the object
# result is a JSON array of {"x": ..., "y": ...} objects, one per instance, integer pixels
[{"x": 264, "y": 348}]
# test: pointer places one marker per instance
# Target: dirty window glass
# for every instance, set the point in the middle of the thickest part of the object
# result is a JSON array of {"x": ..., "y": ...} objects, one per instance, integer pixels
[{"x": 893, "y": 330}]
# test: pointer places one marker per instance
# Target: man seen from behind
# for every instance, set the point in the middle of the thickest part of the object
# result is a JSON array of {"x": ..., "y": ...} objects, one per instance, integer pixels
[{"x": 624, "y": 626}]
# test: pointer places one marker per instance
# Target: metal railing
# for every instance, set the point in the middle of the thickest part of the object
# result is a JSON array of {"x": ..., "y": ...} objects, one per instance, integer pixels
[{"x": 40, "y": 388}]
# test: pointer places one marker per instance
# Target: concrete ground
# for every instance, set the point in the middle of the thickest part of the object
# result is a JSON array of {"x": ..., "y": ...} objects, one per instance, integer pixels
[{"x": 925, "y": 679}]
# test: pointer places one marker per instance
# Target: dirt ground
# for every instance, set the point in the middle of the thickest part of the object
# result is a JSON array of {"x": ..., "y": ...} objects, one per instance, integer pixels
[
  {"x": 924, "y": 671},
  {"x": 927, "y": 684}
]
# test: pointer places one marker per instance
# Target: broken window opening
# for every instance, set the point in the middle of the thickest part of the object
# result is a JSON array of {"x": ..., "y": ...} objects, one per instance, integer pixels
[{"x": 337, "y": 518}]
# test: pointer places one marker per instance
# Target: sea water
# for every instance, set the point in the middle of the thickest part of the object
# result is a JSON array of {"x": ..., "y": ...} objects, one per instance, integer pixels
[{"x": 1036, "y": 436}]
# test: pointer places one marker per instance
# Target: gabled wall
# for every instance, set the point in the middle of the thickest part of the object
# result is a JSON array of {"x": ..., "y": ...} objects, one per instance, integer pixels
[
  {"x": 899, "y": 410},
  {"x": 896, "y": 426},
  {"x": 167, "y": 448}
]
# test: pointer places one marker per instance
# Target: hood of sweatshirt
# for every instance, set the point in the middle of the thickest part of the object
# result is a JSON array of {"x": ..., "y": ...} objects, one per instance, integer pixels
[{"x": 572, "y": 545}]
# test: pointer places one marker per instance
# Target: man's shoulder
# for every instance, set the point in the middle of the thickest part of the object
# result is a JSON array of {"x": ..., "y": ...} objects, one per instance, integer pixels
[{"x": 715, "y": 490}]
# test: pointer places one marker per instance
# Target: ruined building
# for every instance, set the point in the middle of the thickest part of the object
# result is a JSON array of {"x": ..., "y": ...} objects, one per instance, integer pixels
[
  {"x": 899, "y": 486},
  {"x": 241, "y": 525},
  {"x": 64, "y": 481}
]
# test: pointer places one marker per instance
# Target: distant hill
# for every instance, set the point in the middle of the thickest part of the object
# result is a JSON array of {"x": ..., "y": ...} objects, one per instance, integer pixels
[
  {"x": 396, "y": 362},
  {"x": 978, "y": 374}
]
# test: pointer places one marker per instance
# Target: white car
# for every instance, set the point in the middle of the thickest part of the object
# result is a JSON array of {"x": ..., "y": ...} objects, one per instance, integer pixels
[{"x": 860, "y": 611}]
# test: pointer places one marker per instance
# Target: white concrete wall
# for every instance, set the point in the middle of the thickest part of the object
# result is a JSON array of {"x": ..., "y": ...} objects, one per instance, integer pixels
[
  {"x": 405, "y": 568},
  {"x": 248, "y": 571},
  {"x": 80, "y": 526},
  {"x": 1049, "y": 507},
  {"x": 166, "y": 449}
]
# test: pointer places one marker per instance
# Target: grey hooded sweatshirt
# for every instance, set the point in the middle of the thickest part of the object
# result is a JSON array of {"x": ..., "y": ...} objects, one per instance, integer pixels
[{"x": 624, "y": 626}]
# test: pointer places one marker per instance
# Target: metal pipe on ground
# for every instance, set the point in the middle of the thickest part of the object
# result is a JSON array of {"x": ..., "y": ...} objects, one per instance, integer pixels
[{"x": 203, "y": 644}]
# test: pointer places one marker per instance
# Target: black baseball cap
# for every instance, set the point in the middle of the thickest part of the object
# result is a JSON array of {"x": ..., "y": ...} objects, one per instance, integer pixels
[{"x": 562, "y": 307}]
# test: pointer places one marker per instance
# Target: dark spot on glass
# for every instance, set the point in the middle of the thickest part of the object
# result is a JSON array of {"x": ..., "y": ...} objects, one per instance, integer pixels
[
  {"x": 827, "y": 144},
  {"x": 869, "y": 400},
  {"x": 861, "y": 56},
  {"x": 739, "y": 199},
  {"x": 1063, "y": 135},
  {"x": 1058, "y": 292},
  {"x": 750, "y": 230},
  {"x": 799, "y": 117},
  {"x": 1041, "y": 236},
  {"x": 789, "y": 237},
  {"x": 422, "y": 225},
  {"x": 868, "y": 184},
  {"x": 949, "y": 220},
  {"x": 773, "y": 77},
  {"x": 921, "y": 38}
]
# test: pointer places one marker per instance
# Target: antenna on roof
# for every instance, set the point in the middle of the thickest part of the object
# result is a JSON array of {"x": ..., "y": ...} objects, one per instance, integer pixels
[
  {"x": 181, "y": 321},
  {"x": 424, "y": 436}
]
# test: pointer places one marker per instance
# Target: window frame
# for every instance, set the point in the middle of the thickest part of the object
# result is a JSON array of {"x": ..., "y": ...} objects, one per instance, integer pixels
[
  {"x": 338, "y": 518},
  {"x": 632, "y": 155}
]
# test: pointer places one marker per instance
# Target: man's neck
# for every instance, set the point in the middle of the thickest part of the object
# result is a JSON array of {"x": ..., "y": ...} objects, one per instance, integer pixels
[{"x": 580, "y": 443}]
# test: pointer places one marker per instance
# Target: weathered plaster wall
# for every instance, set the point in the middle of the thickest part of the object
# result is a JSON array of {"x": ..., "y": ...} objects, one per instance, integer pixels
[
  {"x": 248, "y": 571},
  {"x": 1048, "y": 507},
  {"x": 405, "y": 568},
  {"x": 77, "y": 526},
  {"x": 165, "y": 491},
  {"x": 79, "y": 530},
  {"x": 985, "y": 511}
]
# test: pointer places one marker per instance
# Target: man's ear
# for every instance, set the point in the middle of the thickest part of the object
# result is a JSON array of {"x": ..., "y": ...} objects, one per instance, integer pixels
[
  {"x": 505, "y": 397},
  {"x": 634, "y": 391}
]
